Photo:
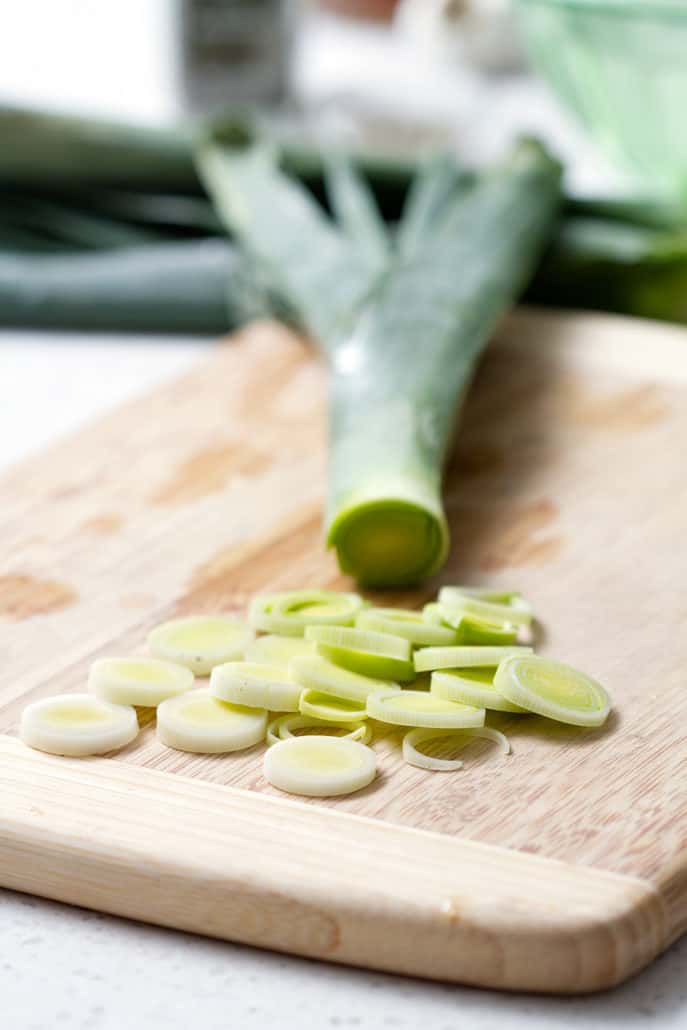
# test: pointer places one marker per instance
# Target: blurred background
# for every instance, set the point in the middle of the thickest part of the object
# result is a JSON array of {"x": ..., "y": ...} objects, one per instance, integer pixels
[
  {"x": 104, "y": 223},
  {"x": 404, "y": 76}
]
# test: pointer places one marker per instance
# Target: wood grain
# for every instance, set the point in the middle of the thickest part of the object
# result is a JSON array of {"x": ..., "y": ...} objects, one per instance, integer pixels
[
  {"x": 567, "y": 481},
  {"x": 284, "y": 875}
]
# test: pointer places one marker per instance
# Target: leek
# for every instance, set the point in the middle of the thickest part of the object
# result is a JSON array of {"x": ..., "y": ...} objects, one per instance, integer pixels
[
  {"x": 289, "y": 613},
  {"x": 331, "y": 709},
  {"x": 401, "y": 344},
  {"x": 200, "y": 642},
  {"x": 255, "y": 685},
  {"x": 427, "y": 659},
  {"x": 417, "y": 708},
  {"x": 77, "y": 725},
  {"x": 201, "y": 723},
  {"x": 286, "y": 726},
  {"x": 413, "y": 756},
  {"x": 553, "y": 689},
  {"x": 325, "y": 677},
  {"x": 138, "y": 681},
  {"x": 378, "y": 655},
  {"x": 319, "y": 766},
  {"x": 472, "y": 687}
]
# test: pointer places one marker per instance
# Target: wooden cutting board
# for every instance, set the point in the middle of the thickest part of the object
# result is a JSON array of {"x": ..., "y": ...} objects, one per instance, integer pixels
[{"x": 561, "y": 868}]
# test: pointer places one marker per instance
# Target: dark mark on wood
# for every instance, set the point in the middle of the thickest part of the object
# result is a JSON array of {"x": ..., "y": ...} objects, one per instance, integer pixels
[{"x": 22, "y": 596}]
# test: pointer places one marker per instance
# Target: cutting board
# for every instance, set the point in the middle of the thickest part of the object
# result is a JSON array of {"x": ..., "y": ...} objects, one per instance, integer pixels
[{"x": 560, "y": 868}]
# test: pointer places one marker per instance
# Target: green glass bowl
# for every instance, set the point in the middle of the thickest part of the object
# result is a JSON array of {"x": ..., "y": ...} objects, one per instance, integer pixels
[{"x": 621, "y": 67}]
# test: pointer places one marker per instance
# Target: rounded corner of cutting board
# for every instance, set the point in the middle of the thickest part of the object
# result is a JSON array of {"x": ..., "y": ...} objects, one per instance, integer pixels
[{"x": 413, "y": 902}]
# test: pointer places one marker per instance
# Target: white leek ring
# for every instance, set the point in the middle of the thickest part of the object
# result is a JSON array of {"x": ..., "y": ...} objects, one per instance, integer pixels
[{"x": 415, "y": 737}]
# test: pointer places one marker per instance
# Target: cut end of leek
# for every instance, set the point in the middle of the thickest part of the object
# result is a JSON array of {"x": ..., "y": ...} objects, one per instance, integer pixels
[
  {"x": 389, "y": 542},
  {"x": 320, "y": 766},
  {"x": 138, "y": 681},
  {"x": 201, "y": 723},
  {"x": 554, "y": 690},
  {"x": 77, "y": 725}
]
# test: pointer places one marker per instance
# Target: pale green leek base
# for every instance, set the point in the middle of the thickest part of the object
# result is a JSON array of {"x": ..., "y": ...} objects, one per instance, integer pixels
[{"x": 389, "y": 542}]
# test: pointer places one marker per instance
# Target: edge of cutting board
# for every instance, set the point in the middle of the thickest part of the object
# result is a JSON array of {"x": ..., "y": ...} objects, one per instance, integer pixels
[{"x": 294, "y": 877}]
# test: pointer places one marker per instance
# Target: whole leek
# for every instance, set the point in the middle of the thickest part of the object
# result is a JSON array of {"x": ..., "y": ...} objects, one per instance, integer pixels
[{"x": 402, "y": 342}]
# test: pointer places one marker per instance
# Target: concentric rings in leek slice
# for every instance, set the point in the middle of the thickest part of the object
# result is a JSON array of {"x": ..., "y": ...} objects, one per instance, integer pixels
[{"x": 553, "y": 689}]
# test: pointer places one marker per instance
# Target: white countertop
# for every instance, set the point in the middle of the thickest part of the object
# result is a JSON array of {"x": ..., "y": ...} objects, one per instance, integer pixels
[{"x": 67, "y": 969}]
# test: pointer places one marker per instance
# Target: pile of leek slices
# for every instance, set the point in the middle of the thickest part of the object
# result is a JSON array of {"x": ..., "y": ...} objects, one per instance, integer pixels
[{"x": 312, "y": 674}]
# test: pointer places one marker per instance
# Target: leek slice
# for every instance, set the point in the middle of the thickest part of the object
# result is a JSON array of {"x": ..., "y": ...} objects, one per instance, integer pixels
[
  {"x": 320, "y": 766},
  {"x": 417, "y": 708},
  {"x": 327, "y": 678},
  {"x": 408, "y": 624},
  {"x": 479, "y": 632},
  {"x": 77, "y": 725},
  {"x": 489, "y": 733},
  {"x": 200, "y": 641},
  {"x": 277, "y": 650},
  {"x": 448, "y": 593},
  {"x": 255, "y": 685},
  {"x": 414, "y": 738},
  {"x": 433, "y": 613},
  {"x": 516, "y": 611},
  {"x": 288, "y": 723},
  {"x": 468, "y": 629},
  {"x": 272, "y": 735},
  {"x": 289, "y": 613},
  {"x": 138, "y": 681},
  {"x": 553, "y": 689},
  {"x": 462, "y": 657},
  {"x": 472, "y": 687},
  {"x": 380, "y": 655},
  {"x": 331, "y": 709},
  {"x": 201, "y": 723}
]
